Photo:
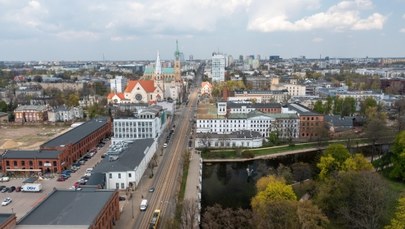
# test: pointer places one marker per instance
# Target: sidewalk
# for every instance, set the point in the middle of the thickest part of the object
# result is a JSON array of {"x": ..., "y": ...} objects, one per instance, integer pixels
[{"x": 194, "y": 179}]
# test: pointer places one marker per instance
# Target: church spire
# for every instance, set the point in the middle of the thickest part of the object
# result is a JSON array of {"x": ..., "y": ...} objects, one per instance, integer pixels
[
  {"x": 158, "y": 66},
  {"x": 177, "y": 53}
]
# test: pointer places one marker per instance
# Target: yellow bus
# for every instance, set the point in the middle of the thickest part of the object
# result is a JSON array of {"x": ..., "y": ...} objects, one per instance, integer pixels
[{"x": 155, "y": 219}]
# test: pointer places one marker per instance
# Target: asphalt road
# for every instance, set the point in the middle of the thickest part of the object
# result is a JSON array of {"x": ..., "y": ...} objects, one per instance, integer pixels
[{"x": 167, "y": 178}]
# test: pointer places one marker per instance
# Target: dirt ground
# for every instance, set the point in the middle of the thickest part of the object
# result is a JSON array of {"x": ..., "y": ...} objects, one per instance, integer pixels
[{"x": 27, "y": 137}]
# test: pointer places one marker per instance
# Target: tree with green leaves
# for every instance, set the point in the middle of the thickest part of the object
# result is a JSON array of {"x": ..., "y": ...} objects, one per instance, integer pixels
[
  {"x": 367, "y": 103},
  {"x": 319, "y": 107},
  {"x": 357, "y": 162},
  {"x": 332, "y": 161},
  {"x": 398, "y": 157},
  {"x": 3, "y": 106}
]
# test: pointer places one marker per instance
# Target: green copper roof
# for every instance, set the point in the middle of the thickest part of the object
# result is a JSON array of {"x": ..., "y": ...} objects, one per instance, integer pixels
[{"x": 164, "y": 71}]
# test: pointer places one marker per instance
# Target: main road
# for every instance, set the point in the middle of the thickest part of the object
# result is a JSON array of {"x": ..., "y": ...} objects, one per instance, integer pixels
[{"x": 168, "y": 176}]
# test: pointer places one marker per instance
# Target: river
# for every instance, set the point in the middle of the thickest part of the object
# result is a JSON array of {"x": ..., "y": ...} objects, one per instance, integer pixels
[{"x": 228, "y": 183}]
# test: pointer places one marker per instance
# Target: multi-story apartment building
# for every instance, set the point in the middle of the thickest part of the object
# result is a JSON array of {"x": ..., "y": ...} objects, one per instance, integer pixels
[
  {"x": 31, "y": 113},
  {"x": 287, "y": 125},
  {"x": 293, "y": 88},
  {"x": 148, "y": 123},
  {"x": 310, "y": 121},
  {"x": 65, "y": 114},
  {"x": 118, "y": 84},
  {"x": 206, "y": 88},
  {"x": 241, "y": 138},
  {"x": 218, "y": 67}
]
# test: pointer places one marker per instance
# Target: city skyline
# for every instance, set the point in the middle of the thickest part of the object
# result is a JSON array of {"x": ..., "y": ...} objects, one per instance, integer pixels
[{"x": 136, "y": 30}]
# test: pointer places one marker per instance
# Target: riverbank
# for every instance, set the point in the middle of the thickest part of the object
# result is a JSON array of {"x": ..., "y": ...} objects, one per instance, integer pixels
[{"x": 237, "y": 155}]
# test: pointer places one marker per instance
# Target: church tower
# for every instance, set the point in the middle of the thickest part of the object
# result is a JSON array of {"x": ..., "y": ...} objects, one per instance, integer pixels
[
  {"x": 158, "y": 68},
  {"x": 177, "y": 67}
]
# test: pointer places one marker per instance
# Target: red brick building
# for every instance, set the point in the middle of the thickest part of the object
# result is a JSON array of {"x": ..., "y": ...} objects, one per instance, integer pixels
[
  {"x": 89, "y": 208},
  {"x": 310, "y": 121},
  {"x": 31, "y": 113},
  {"x": 8, "y": 221},
  {"x": 59, "y": 153}
]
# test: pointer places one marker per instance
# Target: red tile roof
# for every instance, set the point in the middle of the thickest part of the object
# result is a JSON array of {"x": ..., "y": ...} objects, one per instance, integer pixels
[
  {"x": 148, "y": 85},
  {"x": 120, "y": 95}
]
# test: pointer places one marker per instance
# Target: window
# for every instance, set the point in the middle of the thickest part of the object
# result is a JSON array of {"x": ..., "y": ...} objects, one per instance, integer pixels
[
  {"x": 117, "y": 185},
  {"x": 40, "y": 163},
  {"x": 119, "y": 175},
  {"x": 129, "y": 174},
  {"x": 54, "y": 163},
  {"x": 7, "y": 163},
  {"x": 15, "y": 163},
  {"x": 122, "y": 186},
  {"x": 110, "y": 175},
  {"x": 22, "y": 163}
]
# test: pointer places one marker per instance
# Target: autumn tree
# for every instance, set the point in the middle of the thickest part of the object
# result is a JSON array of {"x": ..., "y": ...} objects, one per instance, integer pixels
[
  {"x": 367, "y": 103},
  {"x": 398, "y": 157},
  {"x": 398, "y": 222},
  {"x": 216, "y": 217},
  {"x": 333, "y": 159},
  {"x": 357, "y": 162},
  {"x": 189, "y": 213},
  {"x": 355, "y": 199},
  {"x": 310, "y": 216}
]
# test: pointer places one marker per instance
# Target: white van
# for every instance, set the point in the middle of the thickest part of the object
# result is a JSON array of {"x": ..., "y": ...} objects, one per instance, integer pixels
[
  {"x": 144, "y": 205},
  {"x": 89, "y": 170}
]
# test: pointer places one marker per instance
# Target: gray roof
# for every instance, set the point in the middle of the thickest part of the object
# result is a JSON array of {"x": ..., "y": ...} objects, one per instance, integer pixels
[
  {"x": 302, "y": 110},
  {"x": 261, "y": 91},
  {"x": 75, "y": 135},
  {"x": 254, "y": 105},
  {"x": 338, "y": 121},
  {"x": 128, "y": 160},
  {"x": 68, "y": 207},
  {"x": 4, "y": 217},
  {"x": 32, "y": 107},
  {"x": 30, "y": 154}
]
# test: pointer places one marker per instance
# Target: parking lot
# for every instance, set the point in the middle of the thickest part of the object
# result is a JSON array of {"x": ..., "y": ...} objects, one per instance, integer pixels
[{"x": 23, "y": 202}]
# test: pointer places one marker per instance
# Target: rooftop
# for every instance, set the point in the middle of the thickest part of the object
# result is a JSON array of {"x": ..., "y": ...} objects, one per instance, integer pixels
[
  {"x": 253, "y": 105},
  {"x": 300, "y": 109},
  {"x": 127, "y": 160},
  {"x": 75, "y": 135},
  {"x": 233, "y": 135},
  {"x": 68, "y": 207},
  {"x": 30, "y": 154}
]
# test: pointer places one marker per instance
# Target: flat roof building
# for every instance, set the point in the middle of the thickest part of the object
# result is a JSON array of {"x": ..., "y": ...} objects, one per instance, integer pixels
[{"x": 95, "y": 209}]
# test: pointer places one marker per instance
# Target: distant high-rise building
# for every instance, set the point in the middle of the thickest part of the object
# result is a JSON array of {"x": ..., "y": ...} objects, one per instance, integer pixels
[
  {"x": 230, "y": 60},
  {"x": 241, "y": 58},
  {"x": 191, "y": 58},
  {"x": 118, "y": 84},
  {"x": 274, "y": 58},
  {"x": 258, "y": 57},
  {"x": 218, "y": 67}
]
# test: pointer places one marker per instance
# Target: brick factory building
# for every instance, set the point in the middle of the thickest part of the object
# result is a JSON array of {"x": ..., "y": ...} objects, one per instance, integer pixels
[{"x": 59, "y": 153}]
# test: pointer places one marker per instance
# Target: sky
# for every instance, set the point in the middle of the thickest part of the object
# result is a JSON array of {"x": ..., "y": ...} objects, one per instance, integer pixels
[{"x": 77, "y": 30}]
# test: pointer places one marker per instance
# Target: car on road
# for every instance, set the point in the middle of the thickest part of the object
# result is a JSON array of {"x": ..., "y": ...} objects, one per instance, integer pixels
[
  {"x": 61, "y": 178},
  {"x": 4, "y": 190},
  {"x": 165, "y": 145},
  {"x": 152, "y": 189},
  {"x": 6, "y": 201}
]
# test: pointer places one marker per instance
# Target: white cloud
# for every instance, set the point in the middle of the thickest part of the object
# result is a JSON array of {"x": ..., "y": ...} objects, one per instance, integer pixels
[
  {"x": 317, "y": 40},
  {"x": 402, "y": 30},
  {"x": 345, "y": 15}
]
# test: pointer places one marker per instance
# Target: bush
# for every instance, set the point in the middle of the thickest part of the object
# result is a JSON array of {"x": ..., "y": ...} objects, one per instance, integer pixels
[{"x": 248, "y": 154}]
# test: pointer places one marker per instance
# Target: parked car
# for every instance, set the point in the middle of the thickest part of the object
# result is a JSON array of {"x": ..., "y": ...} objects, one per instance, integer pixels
[
  {"x": 4, "y": 190},
  {"x": 121, "y": 198},
  {"x": 165, "y": 145},
  {"x": 13, "y": 188},
  {"x": 6, "y": 201},
  {"x": 152, "y": 189},
  {"x": 61, "y": 178},
  {"x": 18, "y": 189}
]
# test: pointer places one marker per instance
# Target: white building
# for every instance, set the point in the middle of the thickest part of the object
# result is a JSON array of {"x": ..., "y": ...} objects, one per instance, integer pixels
[
  {"x": 118, "y": 84},
  {"x": 124, "y": 165},
  {"x": 242, "y": 138},
  {"x": 148, "y": 124},
  {"x": 65, "y": 114},
  {"x": 287, "y": 125},
  {"x": 218, "y": 68}
]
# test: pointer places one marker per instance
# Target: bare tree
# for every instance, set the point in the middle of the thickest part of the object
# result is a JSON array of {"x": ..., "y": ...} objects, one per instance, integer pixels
[
  {"x": 189, "y": 214},
  {"x": 152, "y": 164}
]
